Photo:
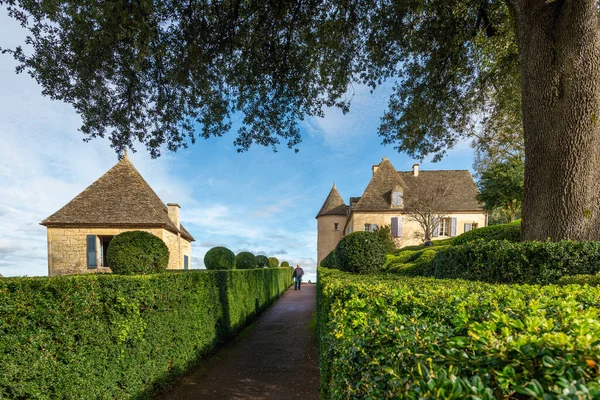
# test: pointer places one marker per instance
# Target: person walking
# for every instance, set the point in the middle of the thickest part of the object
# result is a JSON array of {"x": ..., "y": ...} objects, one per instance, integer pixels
[{"x": 297, "y": 275}]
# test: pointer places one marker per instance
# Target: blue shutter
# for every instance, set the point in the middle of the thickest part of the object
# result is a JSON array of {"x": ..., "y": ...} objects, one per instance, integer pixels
[
  {"x": 185, "y": 262},
  {"x": 436, "y": 227},
  {"x": 399, "y": 227},
  {"x": 373, "y": 227},
  {"x": 453, "y": 227},
  {"x": 91, "y": 251},
  {"x": 467, "y": 227},
  {"x": 395, "y": 227}
]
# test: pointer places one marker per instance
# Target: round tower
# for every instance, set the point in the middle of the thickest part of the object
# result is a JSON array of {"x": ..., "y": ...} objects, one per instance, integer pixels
[{"x": 331, "y": 220}]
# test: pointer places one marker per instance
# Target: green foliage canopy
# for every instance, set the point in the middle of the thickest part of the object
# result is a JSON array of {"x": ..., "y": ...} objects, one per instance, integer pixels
[
  {"x": 154, "y": 71},
  {"x": 262, "y": 261},
  {"x": 501, "y": 187},
  {"x": 245, "y": 260},
  {"x": 361, "y": 252}
]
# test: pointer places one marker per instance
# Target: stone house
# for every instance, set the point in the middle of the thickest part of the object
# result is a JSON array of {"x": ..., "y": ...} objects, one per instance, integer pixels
[
  {"x": 391, "y": 198},
  {"x": 119, "y": 201}
]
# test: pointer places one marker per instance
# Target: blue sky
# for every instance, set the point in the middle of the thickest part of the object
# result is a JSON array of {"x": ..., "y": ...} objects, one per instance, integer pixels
[{"x": 257, "y": 201}]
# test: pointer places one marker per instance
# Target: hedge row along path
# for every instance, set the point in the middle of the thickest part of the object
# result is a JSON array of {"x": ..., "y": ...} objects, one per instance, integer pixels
[{"x": 275, "y": 358}]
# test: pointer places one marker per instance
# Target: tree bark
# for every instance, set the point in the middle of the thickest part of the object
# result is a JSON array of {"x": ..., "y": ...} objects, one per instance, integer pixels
[{"x": 559, "y": 47}]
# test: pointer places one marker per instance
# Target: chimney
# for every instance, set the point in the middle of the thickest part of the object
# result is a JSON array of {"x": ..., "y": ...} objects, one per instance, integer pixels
[
  {"x": 174, "y": 214},
  {"x": 375, "y": 168},
  {"x": 416, "y": 170}
]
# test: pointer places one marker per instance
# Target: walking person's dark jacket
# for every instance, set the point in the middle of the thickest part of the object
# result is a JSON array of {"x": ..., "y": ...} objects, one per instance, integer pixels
[{"x": 298, "y": 273}]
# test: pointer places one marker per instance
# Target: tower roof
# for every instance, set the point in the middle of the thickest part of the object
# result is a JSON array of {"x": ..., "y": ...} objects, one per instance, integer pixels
[
  {"x": 119, "y": 198},
  {"x": 334, "y": 204}
]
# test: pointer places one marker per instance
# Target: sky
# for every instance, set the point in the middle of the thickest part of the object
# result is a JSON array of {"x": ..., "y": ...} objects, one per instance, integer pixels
[{"x": 257, "y": 201}]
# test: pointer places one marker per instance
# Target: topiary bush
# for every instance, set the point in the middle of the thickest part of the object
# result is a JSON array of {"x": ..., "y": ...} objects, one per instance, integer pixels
[
  {"x": 137, "y": 253},
  {"x": 219, "y": 258},
  {"x": 245, "y": 260},
  {"x": 360, "y": 252},
  {"x": 262, "y": 261},
  {"x": 273, "y": 262},
  {"x": 330, "y": 260},
  {"x": 510, "y": 232},
  {"x": 285, "y": 264}
]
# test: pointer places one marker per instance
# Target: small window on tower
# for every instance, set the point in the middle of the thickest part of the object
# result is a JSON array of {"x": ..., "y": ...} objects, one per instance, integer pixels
[{"x": 335, "y": 226}]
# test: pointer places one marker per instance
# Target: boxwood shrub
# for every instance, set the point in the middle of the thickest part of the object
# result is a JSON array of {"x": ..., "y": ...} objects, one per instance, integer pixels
[
  {"x": 360, "y": 252},
  {"x": 219, "y": 258},
  {"x": 285, "y": 264},
  {"x": 383, "y": 337},
  {"x": 524, "y": 262},
  {"x": 510, "y": 232},
  {"x": 330, "y": 260},
  {"x": 105, "y": 336},
  {"x": 262, "y": 261},
  {"x": 137, "y": 252},
  {"x": 273, "y": 262},
  {"x": 245, "y": 260}
]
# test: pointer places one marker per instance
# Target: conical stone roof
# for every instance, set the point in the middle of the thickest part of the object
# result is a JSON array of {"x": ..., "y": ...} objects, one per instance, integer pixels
[
  {"x": 119, "y": 198},
  {"x": 334, "y": 204}
]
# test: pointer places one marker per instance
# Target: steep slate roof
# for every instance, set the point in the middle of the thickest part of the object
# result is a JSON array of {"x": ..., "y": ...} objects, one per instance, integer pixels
[
  {"x": 334, "y": 204},
  {"x": 460, "y": 196},
  {"x": 461, "y": 192},
  {"x": 119, "y": 198},
  {"x": 377, "y": 195}
]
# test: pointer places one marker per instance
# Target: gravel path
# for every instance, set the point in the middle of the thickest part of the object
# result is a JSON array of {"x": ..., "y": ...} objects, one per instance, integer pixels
[{"x": 276, "y": 358}]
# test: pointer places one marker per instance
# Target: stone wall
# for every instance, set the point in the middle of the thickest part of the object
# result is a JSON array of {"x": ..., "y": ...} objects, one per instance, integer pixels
[
  {"x": 67, "y": 249},
  {"x": 327, "y": 236}
]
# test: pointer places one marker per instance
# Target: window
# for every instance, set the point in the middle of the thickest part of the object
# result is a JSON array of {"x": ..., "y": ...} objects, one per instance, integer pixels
[
  {"x": 186, "y": 262},
  {"x": 367, "y": 227},
  {"x": 444, "y": 227},
  {"x": 397, "y": 199},
  {"x": 97, "y": 248},
  {"x": 470, "y": 226},
  {"x": 335, "y": 226}
]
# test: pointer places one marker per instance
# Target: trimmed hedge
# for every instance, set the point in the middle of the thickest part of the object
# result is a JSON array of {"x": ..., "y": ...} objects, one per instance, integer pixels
[
  {"x": 510, "y": 232},
  {"x": 137, "y": 252},
  {"x": 361, "y": 252},
  {"x": 419, "y": 338},
  {"x": 245, "y": 260},
  {"x": 273, "y": 262},
  {"x": 105, "y": 336},
  {"x": 524, "y": 262},
  {"x": 219, "y": 258},
  {"x": 262, "y": 261},
  {"x": 285, "y": 264}
]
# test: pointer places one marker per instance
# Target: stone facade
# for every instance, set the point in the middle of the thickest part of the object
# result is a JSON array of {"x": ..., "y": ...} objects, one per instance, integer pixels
[
  {"x": 412, "y": 233},
  {"x": 67, "y": 249}
]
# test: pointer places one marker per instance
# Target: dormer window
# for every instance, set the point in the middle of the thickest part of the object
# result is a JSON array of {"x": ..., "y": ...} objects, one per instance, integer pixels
[{"x": 397, "y": 199}]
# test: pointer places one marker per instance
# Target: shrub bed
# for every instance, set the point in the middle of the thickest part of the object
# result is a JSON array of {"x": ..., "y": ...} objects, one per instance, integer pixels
[
  {"x": 510, "y": 232},
  {"x": 524, "y": 262},
  {"x": 398, "y": 337},
  {"x": 115, "y": 337}
]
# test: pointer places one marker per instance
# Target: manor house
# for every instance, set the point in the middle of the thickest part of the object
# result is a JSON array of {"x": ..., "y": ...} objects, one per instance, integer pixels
[{"x": 394, "y": 198}]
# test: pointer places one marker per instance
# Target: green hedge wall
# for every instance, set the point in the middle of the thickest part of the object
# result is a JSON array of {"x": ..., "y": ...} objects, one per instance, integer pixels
[
  {"x": 444, "y": 339},
  {"x": 524, "y": 262},
  {"x": 114, "y": 337}
]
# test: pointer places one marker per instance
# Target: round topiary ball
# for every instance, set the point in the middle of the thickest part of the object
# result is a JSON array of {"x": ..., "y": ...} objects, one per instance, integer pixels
[
  {"x": 361, "y": 252},
  {"x": 136, "y": 253},
  {"x": 219, "y": 258},
  {"x": 273, "y": 262},
  {"x": 262, "y": 261},
  {"x": 245, "y": 260},
  {"x": 285, "y": 264}
]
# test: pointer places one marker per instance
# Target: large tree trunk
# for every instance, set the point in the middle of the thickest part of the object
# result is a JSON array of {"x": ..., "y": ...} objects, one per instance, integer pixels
[{"x": 559, "y": 47}]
